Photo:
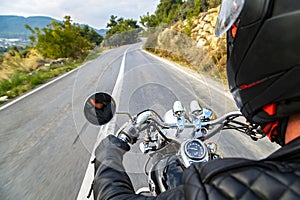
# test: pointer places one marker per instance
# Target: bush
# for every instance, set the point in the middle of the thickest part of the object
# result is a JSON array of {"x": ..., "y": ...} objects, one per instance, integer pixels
[
  {"x": 37, "y": 79},
  {"x": 17, "y": 79},
  {"x": 4, "y": 87}
]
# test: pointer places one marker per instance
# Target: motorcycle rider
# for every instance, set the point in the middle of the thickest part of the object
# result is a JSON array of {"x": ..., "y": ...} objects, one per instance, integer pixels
[{"x": 263, "y": 68}]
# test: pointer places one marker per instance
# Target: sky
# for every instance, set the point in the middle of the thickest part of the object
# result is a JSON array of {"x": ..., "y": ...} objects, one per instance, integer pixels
[{"x": 95, "y": 13}]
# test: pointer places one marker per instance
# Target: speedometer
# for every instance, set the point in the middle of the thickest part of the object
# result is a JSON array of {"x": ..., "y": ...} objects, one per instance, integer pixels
[{"x": 194, "y": 149}]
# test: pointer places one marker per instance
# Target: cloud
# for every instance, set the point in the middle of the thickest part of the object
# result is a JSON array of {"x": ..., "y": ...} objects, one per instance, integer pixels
[{"x": 94, "y": 13}]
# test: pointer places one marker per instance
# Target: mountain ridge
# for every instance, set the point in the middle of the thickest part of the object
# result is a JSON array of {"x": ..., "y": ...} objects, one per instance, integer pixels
[{"x": 12, "y": 26}]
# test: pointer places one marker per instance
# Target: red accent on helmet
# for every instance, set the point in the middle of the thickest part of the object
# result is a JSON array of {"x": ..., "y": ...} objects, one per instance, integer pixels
[
  {"x": 270, "y": 109},
  {"x": 233, "y": 30},
  {"x": 250, "y": 85},
  {"x": 271, "y": 129}
]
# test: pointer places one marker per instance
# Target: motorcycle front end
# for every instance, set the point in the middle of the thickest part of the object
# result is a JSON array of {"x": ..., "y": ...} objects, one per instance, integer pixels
[{"x": 172, "y": 143}]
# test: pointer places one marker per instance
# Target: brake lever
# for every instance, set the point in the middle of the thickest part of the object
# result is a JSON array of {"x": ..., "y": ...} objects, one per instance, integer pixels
[{"x": 255, "y": 132}]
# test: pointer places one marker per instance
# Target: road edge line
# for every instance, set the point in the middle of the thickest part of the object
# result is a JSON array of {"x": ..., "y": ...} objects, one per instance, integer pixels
[
  {"x": 228, "y": 95},
  {"x": 89, "y": 174}
]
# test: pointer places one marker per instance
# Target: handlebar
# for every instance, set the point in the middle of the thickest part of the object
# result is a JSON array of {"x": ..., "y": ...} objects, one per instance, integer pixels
[
  {"x": 221, "y": 122},
  {"x": 152, "y": 115},
  {"x": 147, "y": 116}
]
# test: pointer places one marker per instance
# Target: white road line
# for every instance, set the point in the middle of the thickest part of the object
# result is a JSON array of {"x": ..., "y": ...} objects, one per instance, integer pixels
[
  {"x": 104, "y": 130},
  {"x": 228, "y": 95},
  {"x": 89, "y": 176}
]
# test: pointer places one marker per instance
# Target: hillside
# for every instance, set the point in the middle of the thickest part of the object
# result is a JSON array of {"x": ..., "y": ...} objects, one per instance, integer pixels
[
  {"x": 13, "y": 26},
  {"x": 202, "y": 51},
  {"x": 203, "y": 33}
]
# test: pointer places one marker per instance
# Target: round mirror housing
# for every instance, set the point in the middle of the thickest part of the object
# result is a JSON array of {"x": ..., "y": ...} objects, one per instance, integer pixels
[{"x": 99, "y": 108}]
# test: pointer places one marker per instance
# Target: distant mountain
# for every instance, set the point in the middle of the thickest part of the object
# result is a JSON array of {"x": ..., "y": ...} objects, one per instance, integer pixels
[
  {"x": 101, "y": 31},
  {"x": 13, "y": 26}
]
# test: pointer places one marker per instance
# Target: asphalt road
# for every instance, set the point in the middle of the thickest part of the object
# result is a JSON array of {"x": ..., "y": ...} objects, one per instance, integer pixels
[{"x": 46, "y": 143}]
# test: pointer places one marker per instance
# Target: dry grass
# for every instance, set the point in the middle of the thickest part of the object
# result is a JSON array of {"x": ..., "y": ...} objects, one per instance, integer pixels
[
  {"x": 177, "y": 47},
  {"x": 22, "y": 71},
  {"x": 14, "y": 61}
]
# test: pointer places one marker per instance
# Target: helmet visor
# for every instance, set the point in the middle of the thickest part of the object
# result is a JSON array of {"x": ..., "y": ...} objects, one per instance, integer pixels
[{"x": 229, "y": 12}]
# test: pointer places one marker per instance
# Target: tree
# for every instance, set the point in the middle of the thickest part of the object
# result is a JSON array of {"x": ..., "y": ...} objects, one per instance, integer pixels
[
  {"x": 122, "y": 31},
  {"x": 149, "y": 21},
  {"x": 63, "y": 39},
  {"x": 112, "y": 21},
  {"x": 91, "y": 35},
  {"x": 94, "y": 37},
  {"x": 170, "y": 11},
  {"x": 120, "y": 25}
]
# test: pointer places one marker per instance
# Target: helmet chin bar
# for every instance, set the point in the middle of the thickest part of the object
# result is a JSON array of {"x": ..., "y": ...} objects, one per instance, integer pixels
[{"x": 274, "y": 90}]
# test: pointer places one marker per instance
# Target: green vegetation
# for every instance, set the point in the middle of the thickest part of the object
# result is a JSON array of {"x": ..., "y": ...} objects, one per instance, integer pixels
[
  {"x": 119, "y": 25},
  {"x": 91, "y": 35},
  {"x": 168, "y": 11},
  {"x": 121, "y": 31},
  {"x": 22, "y": 81},
  {"x": 64, "y": 40},
  {"x": 24, "y": 69},
  {"x": 171, "y": 11},
  {"x": 56, "y": 49}
]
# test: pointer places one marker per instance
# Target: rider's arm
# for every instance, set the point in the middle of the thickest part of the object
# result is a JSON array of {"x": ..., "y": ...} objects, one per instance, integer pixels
[{"x": 111, "y": 181}]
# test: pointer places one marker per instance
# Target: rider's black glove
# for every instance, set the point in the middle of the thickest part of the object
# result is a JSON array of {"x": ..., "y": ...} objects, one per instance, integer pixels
[
  {"x": 110, "y": 150},
  {"x": 111, "y": 180}
]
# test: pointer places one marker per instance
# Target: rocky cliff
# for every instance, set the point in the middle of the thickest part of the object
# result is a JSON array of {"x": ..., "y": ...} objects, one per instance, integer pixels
[
  {"x": 202, "y": 50},
  {"x": 203, "y": 33}
]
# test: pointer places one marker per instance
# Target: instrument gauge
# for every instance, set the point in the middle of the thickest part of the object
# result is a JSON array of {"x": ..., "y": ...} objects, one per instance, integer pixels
[{"x": 194, "y": 149}]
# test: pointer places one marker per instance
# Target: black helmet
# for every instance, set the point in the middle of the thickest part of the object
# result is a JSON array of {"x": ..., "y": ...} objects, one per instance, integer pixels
[
  {"x": 263, "y": 56},
  {"x": 102, "y": 98}
]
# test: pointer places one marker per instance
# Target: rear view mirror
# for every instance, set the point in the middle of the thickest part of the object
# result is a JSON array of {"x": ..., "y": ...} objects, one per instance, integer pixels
[{"x": 99, "y": 108}]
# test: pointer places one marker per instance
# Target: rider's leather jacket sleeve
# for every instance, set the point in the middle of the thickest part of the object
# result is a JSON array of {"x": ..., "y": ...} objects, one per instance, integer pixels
[
  {"x": 111, "y": 181},
  {"x": 276, "y": 177}
]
